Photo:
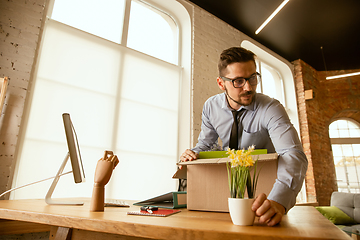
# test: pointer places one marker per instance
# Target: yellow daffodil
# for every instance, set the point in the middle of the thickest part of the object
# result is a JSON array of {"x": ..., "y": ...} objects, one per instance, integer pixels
[{"x": 239, "y": 172}]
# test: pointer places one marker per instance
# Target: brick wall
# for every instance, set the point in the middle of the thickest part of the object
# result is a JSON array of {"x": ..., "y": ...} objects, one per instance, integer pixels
[
  {"x": 332, "y": 99},
  {"x": 20, "y": 25},
  {"x": 304, "y": 130}
]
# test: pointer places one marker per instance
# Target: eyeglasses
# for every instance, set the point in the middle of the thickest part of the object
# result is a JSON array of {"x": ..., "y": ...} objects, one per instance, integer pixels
[{"x": 240, "y": 82}]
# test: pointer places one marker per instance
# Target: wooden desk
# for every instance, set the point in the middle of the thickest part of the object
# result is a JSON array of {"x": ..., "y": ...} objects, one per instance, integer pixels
[{"x": 302, "y": 222}]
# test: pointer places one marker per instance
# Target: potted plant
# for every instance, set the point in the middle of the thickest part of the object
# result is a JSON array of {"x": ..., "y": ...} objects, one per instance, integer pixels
[{"x": 240, "y": 179}]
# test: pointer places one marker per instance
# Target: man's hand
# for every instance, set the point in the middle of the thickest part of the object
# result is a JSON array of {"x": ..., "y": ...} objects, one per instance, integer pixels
[
  {"x": 188, "y": 155},
  {"x": 268, "y": 211}
]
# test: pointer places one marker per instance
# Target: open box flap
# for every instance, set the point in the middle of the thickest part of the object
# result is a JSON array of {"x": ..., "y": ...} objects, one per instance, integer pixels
[
  {"x": 181, "y": 173},
  {"x": 261, "y": 157}
]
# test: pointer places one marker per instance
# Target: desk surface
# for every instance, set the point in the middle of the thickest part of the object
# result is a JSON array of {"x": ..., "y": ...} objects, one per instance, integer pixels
[{"x": 301, "y": 222}]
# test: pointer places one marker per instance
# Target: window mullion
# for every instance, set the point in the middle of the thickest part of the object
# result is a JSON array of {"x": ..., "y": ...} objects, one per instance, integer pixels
[
  {"x": 345, "y": 140},
  {"x": 125, "y": 30},
  {"x": 50, "y": 8}
]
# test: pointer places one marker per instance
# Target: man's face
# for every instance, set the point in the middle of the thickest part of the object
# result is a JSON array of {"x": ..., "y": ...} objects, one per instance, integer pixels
[{"x": 238, "y": 96}]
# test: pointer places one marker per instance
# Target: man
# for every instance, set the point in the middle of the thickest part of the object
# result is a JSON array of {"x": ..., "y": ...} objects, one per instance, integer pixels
[{"x": 263, "y": 122}]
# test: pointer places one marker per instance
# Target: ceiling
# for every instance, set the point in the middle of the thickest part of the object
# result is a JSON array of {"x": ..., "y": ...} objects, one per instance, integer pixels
[{"x": 323, "y": 33}]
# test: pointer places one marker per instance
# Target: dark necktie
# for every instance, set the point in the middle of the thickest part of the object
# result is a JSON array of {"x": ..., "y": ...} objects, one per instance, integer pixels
[{"x": 234, "y": 135}]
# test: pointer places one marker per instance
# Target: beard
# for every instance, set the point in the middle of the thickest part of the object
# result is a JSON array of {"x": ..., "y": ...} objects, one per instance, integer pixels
[{"x": 239, "y": 101}]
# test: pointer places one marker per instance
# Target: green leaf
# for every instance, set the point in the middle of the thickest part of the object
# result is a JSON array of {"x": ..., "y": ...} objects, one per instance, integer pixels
[{"x": 249, "y": 186}]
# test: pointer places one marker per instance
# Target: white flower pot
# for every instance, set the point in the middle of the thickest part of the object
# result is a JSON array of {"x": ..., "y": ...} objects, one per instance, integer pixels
[{"x": 240, "y": 211}]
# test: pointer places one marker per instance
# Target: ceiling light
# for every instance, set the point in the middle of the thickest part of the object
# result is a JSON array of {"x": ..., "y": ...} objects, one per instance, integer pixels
[
  {"x": 343, "y": 75},
  {"x": 271, "y": 16}
]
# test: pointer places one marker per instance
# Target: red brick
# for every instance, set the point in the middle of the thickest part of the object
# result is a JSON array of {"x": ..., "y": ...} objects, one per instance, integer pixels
[{"x": 333, "y": 99}]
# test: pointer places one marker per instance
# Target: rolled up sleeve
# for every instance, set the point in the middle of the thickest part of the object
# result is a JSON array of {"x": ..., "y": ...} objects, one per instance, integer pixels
[{"x": 292, "y": 162}]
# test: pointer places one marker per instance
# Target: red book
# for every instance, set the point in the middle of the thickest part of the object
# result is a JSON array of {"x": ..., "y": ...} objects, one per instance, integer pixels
[{"x": 156, "y": 213}]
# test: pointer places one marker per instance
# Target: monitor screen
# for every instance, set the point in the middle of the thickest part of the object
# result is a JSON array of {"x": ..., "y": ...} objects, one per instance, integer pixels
[
  {"x": 74, "y": 150},
  {"x": 76, "y": 164}
]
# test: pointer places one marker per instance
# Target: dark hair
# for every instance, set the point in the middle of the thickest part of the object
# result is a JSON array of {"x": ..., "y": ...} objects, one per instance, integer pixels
[{"x": 234, "y": 54}]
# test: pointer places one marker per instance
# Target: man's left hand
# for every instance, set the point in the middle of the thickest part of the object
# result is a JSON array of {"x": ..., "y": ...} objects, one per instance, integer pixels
[{"x": 268, "y": 211}]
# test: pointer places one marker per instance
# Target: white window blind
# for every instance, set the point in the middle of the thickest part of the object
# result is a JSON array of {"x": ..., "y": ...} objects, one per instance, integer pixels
[
  {"x": 103, "y": 18},
  {"x": 118, "y": 99}
]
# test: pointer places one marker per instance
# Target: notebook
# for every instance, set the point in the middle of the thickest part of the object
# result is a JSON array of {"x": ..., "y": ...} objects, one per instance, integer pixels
[
  {"x": 169, "y": 200},
  {"x": 157, "y": 213}
]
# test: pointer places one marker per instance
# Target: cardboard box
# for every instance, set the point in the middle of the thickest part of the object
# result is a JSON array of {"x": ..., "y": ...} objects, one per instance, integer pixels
[{"x": 207, "y": 181}]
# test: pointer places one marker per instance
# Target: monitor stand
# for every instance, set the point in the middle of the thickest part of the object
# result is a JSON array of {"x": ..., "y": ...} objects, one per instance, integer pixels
[{"x": 48, "y": 198}]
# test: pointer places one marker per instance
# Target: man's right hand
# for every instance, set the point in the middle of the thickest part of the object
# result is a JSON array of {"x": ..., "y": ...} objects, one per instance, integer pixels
[{"x": 188, "y": 155}]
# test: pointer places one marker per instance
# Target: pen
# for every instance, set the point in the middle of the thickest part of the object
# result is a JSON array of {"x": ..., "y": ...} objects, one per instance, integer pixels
[{"x": 148, "y": 209}]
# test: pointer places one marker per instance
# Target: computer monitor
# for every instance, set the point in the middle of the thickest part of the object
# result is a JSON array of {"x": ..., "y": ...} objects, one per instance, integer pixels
[
  {"x": 74, "y": 150},
  {"x": 75, "y": 158}
]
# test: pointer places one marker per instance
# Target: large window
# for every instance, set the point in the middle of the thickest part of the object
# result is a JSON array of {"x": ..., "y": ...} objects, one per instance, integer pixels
[
  {"x": 272, "y": 84},
  {"x": 277, "y": 80},
  {"x": 114, "y": 66},
  {"x": 152, "y": 32},
  {"x": 345, "y": 143}
]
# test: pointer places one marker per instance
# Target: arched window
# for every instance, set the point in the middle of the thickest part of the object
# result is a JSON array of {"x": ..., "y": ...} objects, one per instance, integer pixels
[
  {"x": 122, "y": 94},
  {"x": 277, "y": 80},
  {"x": 272, "y": 83},
  {"x": 345, "y": 143},
  {"x": 153, "y": 32}
]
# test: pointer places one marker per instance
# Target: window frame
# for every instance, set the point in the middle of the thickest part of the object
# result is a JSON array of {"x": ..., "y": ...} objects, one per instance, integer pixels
[
  {"x": 284, "y": 69},
  {"x": 166, "y": 16},
  {"x": 278, "y": 80},
  {"x": 345, "y": 141}
]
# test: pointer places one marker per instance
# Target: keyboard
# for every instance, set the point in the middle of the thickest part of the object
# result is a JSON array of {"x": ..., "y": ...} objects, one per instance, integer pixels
[{"x": 115, "y": 203}]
